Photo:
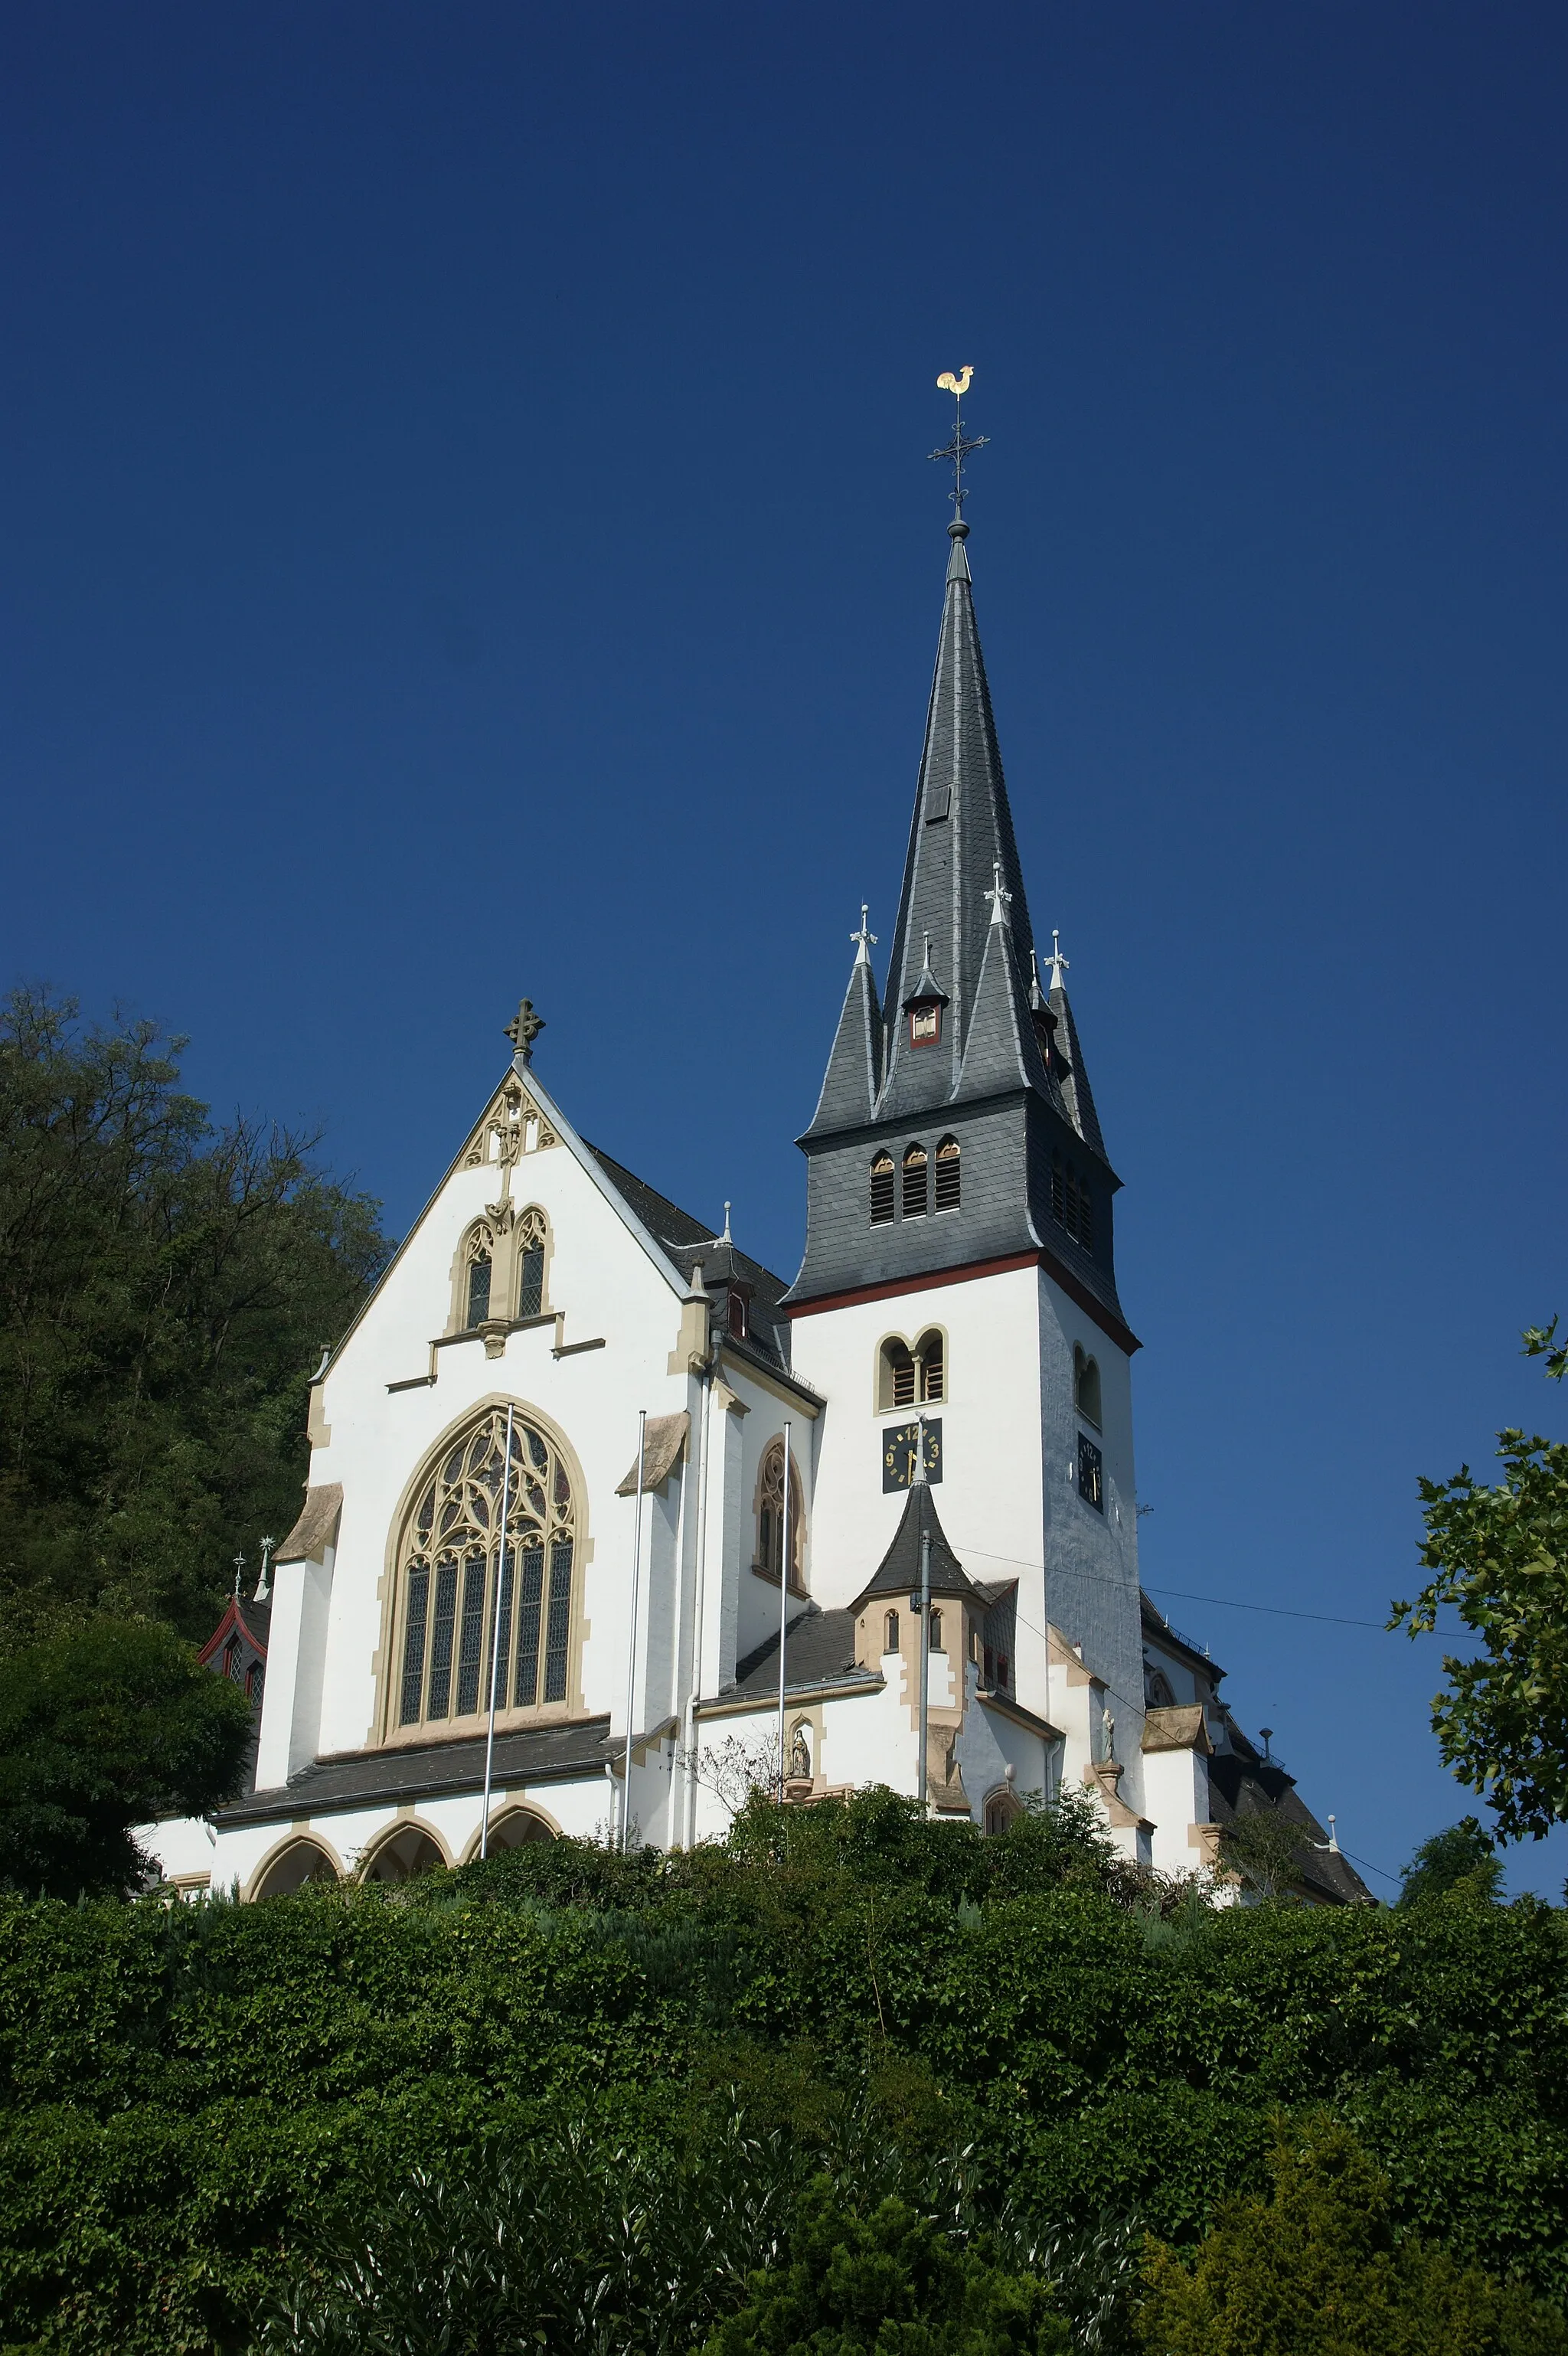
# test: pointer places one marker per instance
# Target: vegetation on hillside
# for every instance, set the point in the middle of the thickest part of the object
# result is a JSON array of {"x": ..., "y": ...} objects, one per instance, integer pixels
[{"x": 165, "y": 1290}]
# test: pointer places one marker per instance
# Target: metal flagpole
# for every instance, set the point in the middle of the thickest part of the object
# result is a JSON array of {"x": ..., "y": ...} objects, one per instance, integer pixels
[
  {"x": 784, "y": 1608},
  {"x": 496, "y": 1635},
  {"x": 632, "y": 1642},
  {"x": 923, "y": 1786}
]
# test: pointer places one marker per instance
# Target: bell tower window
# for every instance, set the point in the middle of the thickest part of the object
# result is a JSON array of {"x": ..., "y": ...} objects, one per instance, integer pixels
[
  {"x": 947, "y": 1181},
  {"x": 882, "y": 1190},
  {"x": 914, "y": 1181}
]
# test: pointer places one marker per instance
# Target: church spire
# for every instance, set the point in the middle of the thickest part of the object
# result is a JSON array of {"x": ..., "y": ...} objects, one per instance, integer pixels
[{"x": 962, "y": 853}]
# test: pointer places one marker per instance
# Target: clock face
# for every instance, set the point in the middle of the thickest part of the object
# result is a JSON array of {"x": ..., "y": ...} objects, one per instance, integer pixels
[{"x": 900, "y": 1450}]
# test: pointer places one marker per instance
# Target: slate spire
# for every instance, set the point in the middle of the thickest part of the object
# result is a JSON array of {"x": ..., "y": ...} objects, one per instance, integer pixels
[
  {"x": 962, "y": 851},
  {"x": 1072, "y": 1078},
  {"x": 854, "y": 1076}
]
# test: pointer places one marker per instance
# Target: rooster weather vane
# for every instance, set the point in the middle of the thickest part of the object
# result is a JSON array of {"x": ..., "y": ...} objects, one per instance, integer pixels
[{"x": 959, "y": 447}]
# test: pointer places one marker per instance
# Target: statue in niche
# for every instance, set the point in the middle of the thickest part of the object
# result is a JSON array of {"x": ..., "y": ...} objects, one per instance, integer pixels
[{"x": 800, "y": 1756}]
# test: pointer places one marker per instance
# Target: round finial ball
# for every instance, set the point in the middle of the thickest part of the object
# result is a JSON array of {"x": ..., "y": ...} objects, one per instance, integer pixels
[
  {"x": 1010, "y": 1771},
  {"x": 958, "y": 529}
]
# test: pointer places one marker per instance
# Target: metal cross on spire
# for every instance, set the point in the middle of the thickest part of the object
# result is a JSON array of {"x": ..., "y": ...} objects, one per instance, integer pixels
[
  {"x": 523, "y": 1029},
  {"x": 1000, "y": 898},
  {"x": 959, "y": 447},
  {"x": 865, "y": 939},
  {"x": 1057, "y": 962}
]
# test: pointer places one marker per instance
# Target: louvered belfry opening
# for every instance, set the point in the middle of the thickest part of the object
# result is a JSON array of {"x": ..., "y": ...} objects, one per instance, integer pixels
[
  {"x": 947, "y": 1175},
  {"x": 882, "y": 1190},
  {"x": 914, "y": 1181}
]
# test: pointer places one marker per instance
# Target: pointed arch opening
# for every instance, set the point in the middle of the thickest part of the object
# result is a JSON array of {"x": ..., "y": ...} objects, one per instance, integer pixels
[
  {"x": 769, "y": 1563},
  {"x": 915, "y": 1182},
  {"x": 473, "y": 1279},
  {"x": 883, "y": 1197},
  {"x": 402, "y": 1853},
  {"x": 531, "y": 1244},
  {"x": 949, "y": 1175},
  {"x": 449, "y": 1568},
  {"x": 293, "y": 1866}
]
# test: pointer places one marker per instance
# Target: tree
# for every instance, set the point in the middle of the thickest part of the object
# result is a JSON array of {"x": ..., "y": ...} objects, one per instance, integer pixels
[
  {"x": 165, "y": 1290},
  {"x": 101, "y": 1729},
  {"x": 1265, "y": 1848},
  {"x": 1460, "y": 1862},
  {"x": 1317, "y": 2270},
  {"x": 1501, "y": 1556}
]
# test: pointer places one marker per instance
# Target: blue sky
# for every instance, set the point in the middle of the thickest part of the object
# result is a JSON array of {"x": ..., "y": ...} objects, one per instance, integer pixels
[{"x": 470, "y": 533}]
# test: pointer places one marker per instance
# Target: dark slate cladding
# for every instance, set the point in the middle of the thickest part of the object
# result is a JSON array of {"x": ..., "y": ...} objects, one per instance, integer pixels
[
  {"x": 819, "y": 1650},
  {"x": 897, "y": 1573},
  {"x": 1007, "y": 1083},
  {"x": 428, "y": 1771},
  {"x": 687, "y": 1241}
]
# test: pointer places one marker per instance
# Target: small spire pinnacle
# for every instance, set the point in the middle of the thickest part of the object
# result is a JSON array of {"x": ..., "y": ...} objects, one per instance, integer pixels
[
  {"x": 239, "y": 1560},
  {"x": 264, "y": 1584},
  {"x": 1000, "y": 898},
  {"x": 726, "y": 1237},
  {"x": 1036, "y": 995},
  {"x": 956, "y": 450},
  {"x": 1057, "y": 962},
  {"x": 865, "y": 937}
]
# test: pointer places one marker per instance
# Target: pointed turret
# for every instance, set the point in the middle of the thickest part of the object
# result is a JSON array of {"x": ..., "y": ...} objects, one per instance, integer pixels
[
  {"x": 1072, "y": 1076},
  {"x": 897, "y": 1573},
  {"x": 854, "y": 1074}
]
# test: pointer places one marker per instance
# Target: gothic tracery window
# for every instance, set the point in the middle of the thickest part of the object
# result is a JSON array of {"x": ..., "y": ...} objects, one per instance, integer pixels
[
  {"x": 450, "y": 1560},
  {"x": 771, "y": 1517},
  {"x": 478, "y": 1259},
  {"x": 531, "y": 1235}
]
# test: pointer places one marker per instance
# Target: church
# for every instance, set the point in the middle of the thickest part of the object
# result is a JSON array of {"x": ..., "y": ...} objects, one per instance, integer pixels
[{"x": 605, "y": 1520}]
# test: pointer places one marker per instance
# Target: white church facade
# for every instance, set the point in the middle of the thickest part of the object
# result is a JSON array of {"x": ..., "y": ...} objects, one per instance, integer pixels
[{"x": 946, "y": 1385}]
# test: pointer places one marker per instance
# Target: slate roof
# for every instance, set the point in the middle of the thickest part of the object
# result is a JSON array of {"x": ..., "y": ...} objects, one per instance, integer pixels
[
  {"x": 1157, "y": 1625},
  {"x": 897, "y": 1573},
  {"x": 428, "y": 1771},
  {"x": 819, "y": 1650},
  {"x": 689, "y": 1241},
  {"x": 1241, "y": 1783}
]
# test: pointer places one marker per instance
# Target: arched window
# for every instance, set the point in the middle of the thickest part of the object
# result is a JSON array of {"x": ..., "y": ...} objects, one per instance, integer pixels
[
  {"x": 449, "y": 1560},
  {"x": 936, "y": 1644},
  {"x": 883, "y": 1189},
  {"x": 514, "y": 1829},
  {"x": 771, "y": 1517},
  {"x": 253, "y": 1677},
  {"x": 1159, "y": 1693},
  {"x": 1085, "y": 1386},
  {"x": 928, "y": 1359},
  {"x": 532, "y": 1234},
  {"x": 1072, "y": 1204},
  {"x": 896, "y": 1375},
  {"x": 478, "y": 1259},
  {"x": 914, "y": 1181},
  {"x": 890, "y": 1633},
  {"x": 947, "y": 1175},
  {"x": 233, "y": 1660}
]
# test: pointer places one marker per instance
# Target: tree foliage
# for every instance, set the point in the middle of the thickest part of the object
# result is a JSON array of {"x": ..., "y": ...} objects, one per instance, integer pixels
[
  {"x": 165, "y": 1290},
  {"x": 1265, "y": 1848},
  {"x": 190, "y": 2097},
  {"x": 105, "y": 1728},
  {"x": 1461, "y": 1862},
  {"x": 1317, "y": 2269},
  {"x": 1499, "y": 1556}
]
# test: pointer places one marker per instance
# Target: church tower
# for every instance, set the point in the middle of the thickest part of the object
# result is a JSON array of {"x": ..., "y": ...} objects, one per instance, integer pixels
[{"x": 959, "y": 1260}]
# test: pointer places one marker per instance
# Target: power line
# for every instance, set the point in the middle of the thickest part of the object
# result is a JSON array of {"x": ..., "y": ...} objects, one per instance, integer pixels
[{"x": 1222, "y": 1602}]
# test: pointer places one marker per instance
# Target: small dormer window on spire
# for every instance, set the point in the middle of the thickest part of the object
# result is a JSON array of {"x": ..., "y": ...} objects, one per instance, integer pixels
[{"x": 924, "y": 1004}]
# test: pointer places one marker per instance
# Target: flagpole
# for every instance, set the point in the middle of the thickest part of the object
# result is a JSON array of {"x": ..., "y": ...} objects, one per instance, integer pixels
[
  {"x": 631, "y": 1642},
  {"x": 496, "y": 1633},
  {"x": 783, "y": 1607}
]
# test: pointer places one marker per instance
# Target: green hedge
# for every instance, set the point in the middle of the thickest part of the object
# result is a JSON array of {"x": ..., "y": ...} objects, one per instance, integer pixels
[{"x": 187, "y": 2091}]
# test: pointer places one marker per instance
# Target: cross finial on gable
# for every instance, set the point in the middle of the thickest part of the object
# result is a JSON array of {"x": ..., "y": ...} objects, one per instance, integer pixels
[
  {"x": 1057, "y": 962},
  {"x": 523, "y": 1029},
  {"x": 1000, "y": 898},
  {"x": 865, "y": 937}
]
